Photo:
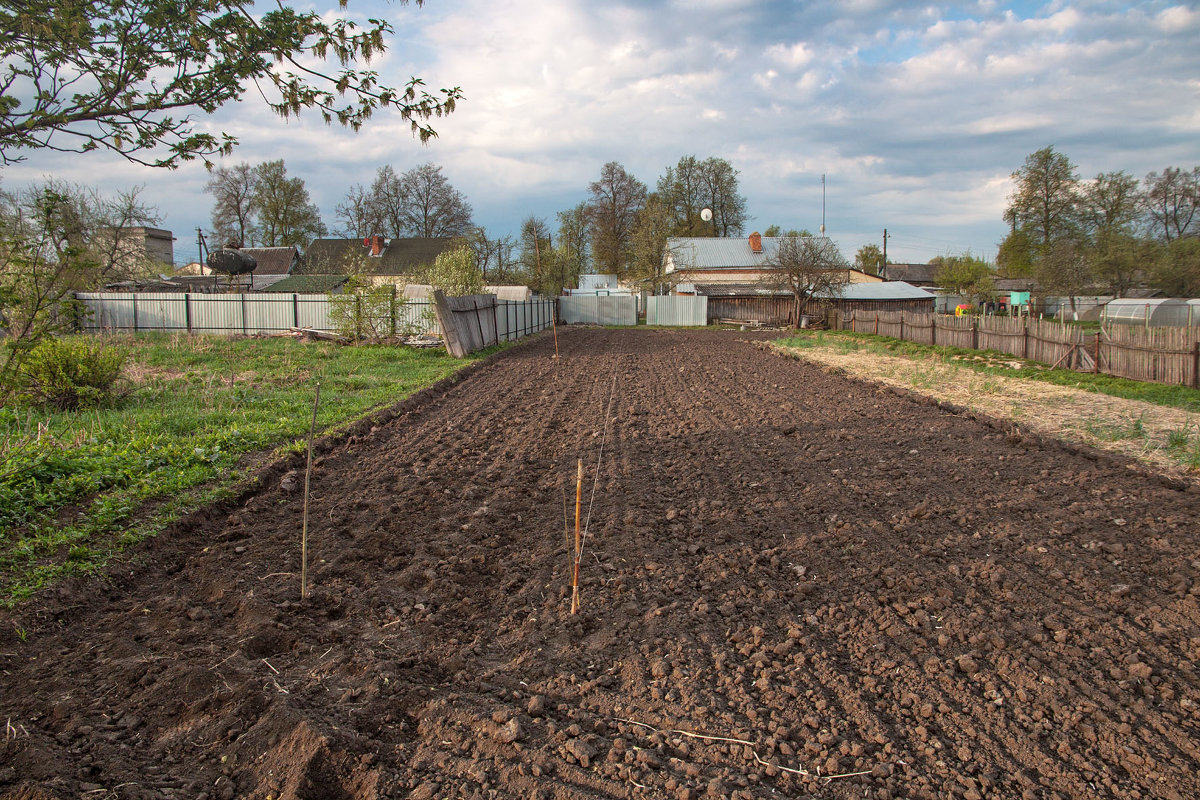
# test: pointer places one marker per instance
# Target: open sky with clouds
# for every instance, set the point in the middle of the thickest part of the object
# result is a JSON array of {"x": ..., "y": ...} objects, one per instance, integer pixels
[{"x": 916, "y": 113}]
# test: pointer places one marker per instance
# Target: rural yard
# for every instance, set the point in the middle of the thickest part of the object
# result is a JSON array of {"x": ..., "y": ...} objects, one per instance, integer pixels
[{"x": 794, "y": 584}]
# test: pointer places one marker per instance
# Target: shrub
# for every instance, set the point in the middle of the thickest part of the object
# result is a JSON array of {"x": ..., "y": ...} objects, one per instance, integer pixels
[{"x": 71, "y": 374}]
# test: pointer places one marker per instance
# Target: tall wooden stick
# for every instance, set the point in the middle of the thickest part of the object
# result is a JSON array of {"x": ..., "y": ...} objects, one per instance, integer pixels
[
  {"x": 575, "y": 571},
  {"x": 304, "y": 525},
  {"x": 554, "y": 327}
]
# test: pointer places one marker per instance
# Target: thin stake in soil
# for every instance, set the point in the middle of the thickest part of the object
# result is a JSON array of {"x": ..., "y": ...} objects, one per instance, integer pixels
[
  {"x": 554, "y": 328},
  {"x": 578, "y": 548},
  {"x": 304, "y": 524}
]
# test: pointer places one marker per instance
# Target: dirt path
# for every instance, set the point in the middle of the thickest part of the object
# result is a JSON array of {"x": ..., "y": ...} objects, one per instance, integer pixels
[
  {"x": 795, "y": 585},
  {"x": 1167, "y": 439}
]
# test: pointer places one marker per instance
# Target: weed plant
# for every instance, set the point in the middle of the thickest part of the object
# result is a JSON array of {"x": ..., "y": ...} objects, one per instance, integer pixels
[{"x": 78, "y": 487}]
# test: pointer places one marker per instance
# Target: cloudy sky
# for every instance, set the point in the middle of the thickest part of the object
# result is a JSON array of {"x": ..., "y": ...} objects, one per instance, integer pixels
[{"x": 916, "y": 113}]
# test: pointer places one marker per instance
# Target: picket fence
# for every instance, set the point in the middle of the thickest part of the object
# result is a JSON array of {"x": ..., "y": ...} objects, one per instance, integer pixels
[{"x": 1158, "y": 355}]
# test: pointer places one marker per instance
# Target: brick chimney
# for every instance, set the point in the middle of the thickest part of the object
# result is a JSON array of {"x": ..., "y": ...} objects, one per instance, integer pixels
[
  {"x": 376, "y": 244},
  {"x": 756, "y": 242}
]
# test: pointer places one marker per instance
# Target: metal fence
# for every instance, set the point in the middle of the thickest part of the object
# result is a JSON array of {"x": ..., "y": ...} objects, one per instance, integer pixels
[
  {"x": 598, "y": 310},
  {"x": 1159, "y": 355},
  {"x": 676, "y": 310},
  {"x": 252, "y": 313}
]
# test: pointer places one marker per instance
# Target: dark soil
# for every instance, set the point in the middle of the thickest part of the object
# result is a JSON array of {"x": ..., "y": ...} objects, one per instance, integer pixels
[{"x": 794, "y": 585}]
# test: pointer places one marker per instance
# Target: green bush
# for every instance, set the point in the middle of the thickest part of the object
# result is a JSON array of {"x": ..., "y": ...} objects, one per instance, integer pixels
[{"x": 70, "y": 374}]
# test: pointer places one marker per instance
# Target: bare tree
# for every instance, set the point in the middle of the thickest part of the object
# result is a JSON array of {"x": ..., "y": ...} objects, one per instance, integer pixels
[
  {"x": 232, "y": 189},
  {"x": 356, "y": 214},
  {"x": 807, "y": 267},
  {"x": 432, "y": 207},
  {"x": 616, "y": 199},
  {"x": 1173, "y": 201}
]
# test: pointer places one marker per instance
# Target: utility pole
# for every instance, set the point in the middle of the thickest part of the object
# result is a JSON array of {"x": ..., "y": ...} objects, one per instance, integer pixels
[
  {"x": 883, "y": 266},
  {"x": 822, "y": 203}
]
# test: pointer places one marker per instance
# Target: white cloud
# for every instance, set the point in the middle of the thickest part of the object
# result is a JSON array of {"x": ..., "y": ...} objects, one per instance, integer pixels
[{"x": 916, "y": 113}]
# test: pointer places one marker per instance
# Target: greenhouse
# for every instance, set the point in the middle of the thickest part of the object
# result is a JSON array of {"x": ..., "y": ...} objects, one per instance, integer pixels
[{"x": 1153, "y": 312}]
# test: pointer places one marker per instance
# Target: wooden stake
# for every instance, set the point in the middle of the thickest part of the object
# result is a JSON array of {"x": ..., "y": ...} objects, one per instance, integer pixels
[
  {"x": 304, "y": 524},
  {"x": 575, "y": 571},
  {"x": 554, "y": 328}
]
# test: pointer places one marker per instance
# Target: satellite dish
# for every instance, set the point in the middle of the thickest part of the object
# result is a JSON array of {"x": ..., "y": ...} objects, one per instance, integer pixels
[{"x": 706, "y": 215}]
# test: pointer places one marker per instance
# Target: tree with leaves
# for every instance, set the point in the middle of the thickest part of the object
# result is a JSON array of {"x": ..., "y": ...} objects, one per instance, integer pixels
[
  {"x": 286, "y": 214},
  {"x": 536, "y": 245},
  {"x": 616, "y": 198},
  {"x": 1112, "y": 210},
  {"x": 455, "y": 272},
  {"x": 806, "y": 267},
  {"x": 773, "y": 231},
  {"x": 1046, "y": 203},
  {"x": 128, "y": 76},
  {"x": 232, "y": 189},
  {"x": 648, "y": 248},
  {"x": 574, "y": 242},
  {"x": 869, "y": 259},
  {"x": 964, "y": 275},
  {"x": 693, "y": 185}
]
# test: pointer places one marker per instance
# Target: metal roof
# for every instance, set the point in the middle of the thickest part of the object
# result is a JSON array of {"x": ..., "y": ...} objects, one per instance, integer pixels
[
  {"x": 888, "y": 290},
  {"x": 698, "y": 252}
]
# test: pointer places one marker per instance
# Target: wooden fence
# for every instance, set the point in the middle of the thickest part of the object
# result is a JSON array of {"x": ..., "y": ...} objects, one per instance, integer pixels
[{"x": 1159, "y": 355}]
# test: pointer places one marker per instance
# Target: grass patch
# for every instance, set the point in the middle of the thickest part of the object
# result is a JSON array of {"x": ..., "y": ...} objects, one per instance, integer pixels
[
  {"x": 992, "y": 362},
  {"x": 76, "y": 488}
]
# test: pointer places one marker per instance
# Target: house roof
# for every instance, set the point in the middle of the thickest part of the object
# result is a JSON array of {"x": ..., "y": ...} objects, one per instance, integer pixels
[
  {"x": 273, "y": 260},
  {"x": 399, "y": 256},
  {"x": 911, "y": 273},
  {"x": 889, "y": 290},
  {"x": 698, "y": 252},
  {"x": 307, "y": 283}
]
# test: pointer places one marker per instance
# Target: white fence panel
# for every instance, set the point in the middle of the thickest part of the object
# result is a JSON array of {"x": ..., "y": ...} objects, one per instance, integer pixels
[
  {"x": 677, "y": 311},
  {"x": 598, "y": 310}
]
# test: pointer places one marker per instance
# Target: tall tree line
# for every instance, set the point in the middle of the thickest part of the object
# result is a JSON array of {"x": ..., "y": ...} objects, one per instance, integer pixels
[
  {"x": 1110, "y": 232},
  {"x": 262, "y": 205}
]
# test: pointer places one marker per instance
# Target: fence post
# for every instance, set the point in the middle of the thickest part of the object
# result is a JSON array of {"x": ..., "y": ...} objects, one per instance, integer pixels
[
  {"x": 392, "y": 312},
  {"x": 1096, "y": 368},
  {"x": 974, "y": 334},
  {"x": 187, "y": 310},
  {"x": 1025, "y": 339},
  {"x": 242, "y": 295},
  {"x": 901, "y": 326},
  {"x": 135, "y": 318},
  {"x": 933, "y": 328},
  {"x": 295, "y": 310},
  {"x": 876, "y": 323},
  {"x": 1196, "y": 365},
  {"x": 495, "y": 320}
]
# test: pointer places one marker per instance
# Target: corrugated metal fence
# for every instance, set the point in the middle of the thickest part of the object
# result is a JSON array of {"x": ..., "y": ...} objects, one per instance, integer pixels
[
  {"x": 598, "y": 310},
  {"x": 252, "y": 313},
  {"x": 1160, "y": 355},
  {"x": 678, "y": 310}
]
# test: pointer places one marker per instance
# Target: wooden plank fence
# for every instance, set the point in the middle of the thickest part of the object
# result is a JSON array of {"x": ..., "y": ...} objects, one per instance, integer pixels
[{"x": 1158, "y": 355}]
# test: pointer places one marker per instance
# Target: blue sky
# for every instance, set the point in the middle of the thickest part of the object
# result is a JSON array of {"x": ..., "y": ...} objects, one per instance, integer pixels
[{"x": 917, "y": 113}]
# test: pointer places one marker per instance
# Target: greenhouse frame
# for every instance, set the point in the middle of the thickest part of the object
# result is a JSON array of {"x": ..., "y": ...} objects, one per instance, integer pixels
[{"x": 1153, "y": 312}]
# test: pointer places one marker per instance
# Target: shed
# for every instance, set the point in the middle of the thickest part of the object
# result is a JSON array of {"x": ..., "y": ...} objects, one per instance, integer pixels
[{"x": 1152, "y": 312}]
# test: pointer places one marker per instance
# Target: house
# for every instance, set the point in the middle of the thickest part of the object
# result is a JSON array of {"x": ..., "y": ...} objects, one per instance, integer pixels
[
  {"x": 137, "y": 249},
  {"x": 377, "y": 258},
  {"x": 715, "y": 261}
]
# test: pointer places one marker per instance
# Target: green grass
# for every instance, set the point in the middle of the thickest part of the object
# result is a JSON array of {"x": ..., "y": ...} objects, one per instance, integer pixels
[
  {"x": 78, "y": 488},
  {"x": 996, "y": 363}
]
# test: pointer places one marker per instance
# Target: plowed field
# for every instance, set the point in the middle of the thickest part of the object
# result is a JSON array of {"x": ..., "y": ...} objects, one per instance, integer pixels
[{"x": 794, "y": 585}]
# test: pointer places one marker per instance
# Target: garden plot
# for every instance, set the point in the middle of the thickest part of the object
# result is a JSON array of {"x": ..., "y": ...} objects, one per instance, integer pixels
[{"x": 793, "y": 584}]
